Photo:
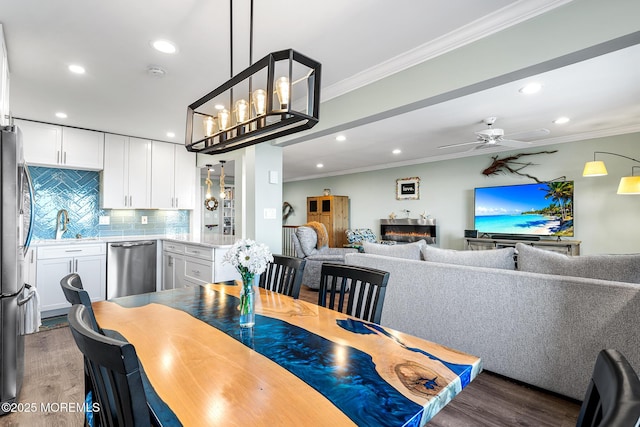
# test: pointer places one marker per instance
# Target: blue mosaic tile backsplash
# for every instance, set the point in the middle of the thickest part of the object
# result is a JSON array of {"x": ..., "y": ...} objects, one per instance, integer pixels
[{"x": 79, "y": 193}]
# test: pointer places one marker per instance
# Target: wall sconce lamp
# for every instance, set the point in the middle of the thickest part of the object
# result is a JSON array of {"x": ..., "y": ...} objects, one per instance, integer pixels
[{"x": 629, "y": 185}]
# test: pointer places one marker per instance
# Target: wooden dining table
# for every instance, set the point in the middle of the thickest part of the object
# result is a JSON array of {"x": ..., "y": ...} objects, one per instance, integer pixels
[{"x": 300, "y": 365}]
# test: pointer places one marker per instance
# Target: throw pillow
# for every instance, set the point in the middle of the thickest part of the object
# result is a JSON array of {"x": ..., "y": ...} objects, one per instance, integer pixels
[
  {"x": 408, "y": 251},
  {"x": 497, "y": 258},
  {"x": 619, "y": 268}
]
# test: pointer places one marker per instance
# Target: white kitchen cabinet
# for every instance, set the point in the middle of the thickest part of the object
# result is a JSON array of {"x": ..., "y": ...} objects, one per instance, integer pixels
[
  {"x": 126, "y": 178},
  {"x": 56, "y": 261},
  {"x": 190, "y": 265},
  {"x": 51, "y": 145},
  {"x": 173, "y": 176}
]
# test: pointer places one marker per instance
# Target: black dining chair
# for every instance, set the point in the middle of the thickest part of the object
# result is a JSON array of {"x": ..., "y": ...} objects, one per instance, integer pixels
[
  {"x": 357, "y": 291},
  {"x": 114, "y": 371},
  {"x": 613, "y": 395},
  {"x": 74, "y": 293},
  {"x": 283, "y": 275}
]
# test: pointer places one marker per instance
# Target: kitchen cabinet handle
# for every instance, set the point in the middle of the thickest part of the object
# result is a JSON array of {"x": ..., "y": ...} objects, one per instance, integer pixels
[
  {"x": 73, "y": 250},
  {"x": 65, "y": 158},
  {"x": 76, "y": 269},
  {"x": 70, "y": 266},
  {"x": 130, "y": 201},
  {"x": 176, "y": 202},
  {"x": 32, "y": 252},
  {"x": 58, "y": 156},
  {"x": 125, "y": 200}
]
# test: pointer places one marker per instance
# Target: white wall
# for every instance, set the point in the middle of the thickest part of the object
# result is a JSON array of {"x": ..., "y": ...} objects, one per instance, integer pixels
[{"x": 604, "y": 221}]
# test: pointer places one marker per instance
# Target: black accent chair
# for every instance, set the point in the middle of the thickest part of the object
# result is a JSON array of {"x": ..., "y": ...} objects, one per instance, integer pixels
[
  {"x": 283, "y": 275},
  {"x": 74, "y": 293},
  {"x": 613, "y": 394},
  {"x": 359, "y": 291},
  {"x": 113, "y": 367}
]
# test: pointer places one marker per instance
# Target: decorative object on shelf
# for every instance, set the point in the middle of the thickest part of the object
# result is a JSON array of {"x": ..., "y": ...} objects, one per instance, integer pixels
[
  {"x": 408, "y": 188},
  {"x": 509, "y": 164},
  {"x": 392, "y": 215},
  {"x": 248, "y": 258},
  {"x": 210, "y": 202},
  {"x": 629, "y": 185},
  {"x": 424, "y": 216},
  {"x": 326, "y": 192},
  {"x": 287, "y": 210},
  {"x": 407, "y": 212},
  {"x": 276, "y": 96}
]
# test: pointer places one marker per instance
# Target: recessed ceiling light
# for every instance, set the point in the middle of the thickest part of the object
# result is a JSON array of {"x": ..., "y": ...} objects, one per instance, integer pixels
[
  {"x": 561, "y": 120},
  {"x": 530, "y": 88},
  {"x": 76, "y": 69},
  {"x": 341, "y": 138},
  {"x": 61, "y": 115},
  {"x": 397, "y": 151},
  {"x": 171, "y": 135},
  {"x": 319, "y": 165},
  {"x": 164, "y": 46},
  {"x": 156, "y": 71}
]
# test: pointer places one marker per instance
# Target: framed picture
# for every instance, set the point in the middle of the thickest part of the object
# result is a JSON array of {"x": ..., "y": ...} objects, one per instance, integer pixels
[{"x": 408, "y": 188}]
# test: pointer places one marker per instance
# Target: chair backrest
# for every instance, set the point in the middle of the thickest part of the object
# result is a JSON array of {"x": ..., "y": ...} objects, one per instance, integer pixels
[
  {"x": 113, "y": 365},
  {"x": 74, "y": 293},
  {"x": 613, "y": 395},
  {"x": 283, "y": 275},
  {"x": 357, "y": 291}
]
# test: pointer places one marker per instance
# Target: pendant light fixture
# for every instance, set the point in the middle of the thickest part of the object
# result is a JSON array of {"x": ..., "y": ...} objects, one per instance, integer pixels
[
  {"x": 276, "y": 96},
  {"x": 223, "y": 193},
  {"x": 629, "y": 185}
]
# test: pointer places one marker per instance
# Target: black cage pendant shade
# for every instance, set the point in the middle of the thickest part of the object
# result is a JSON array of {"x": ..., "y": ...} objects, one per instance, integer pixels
[{"x": 276, "y": 96}]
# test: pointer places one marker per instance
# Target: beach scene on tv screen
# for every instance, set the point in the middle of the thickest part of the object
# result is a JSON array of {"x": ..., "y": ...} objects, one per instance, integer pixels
[{"x": 542, "y": 209}]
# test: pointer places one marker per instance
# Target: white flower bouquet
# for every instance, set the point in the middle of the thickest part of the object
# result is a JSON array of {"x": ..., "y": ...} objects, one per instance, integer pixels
[{"x": 248, "y": 257}]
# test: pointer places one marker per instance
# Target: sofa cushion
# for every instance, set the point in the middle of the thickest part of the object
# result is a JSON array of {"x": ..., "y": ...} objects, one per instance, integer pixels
[
  {"x": 308, "y": 240},
  {"x": 408, "y": 251},
  {"x": 619, "y": 268},
  {"x": 498, "y": 258},
  {"x": 360, "y": 235}
]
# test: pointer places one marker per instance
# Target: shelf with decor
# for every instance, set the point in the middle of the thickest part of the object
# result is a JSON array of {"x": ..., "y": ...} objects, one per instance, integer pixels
[{"x": 228, "y": 212}]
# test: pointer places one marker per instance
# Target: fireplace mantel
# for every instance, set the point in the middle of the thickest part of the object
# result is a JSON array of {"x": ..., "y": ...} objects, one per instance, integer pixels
[{"x": 408, "y": 230}]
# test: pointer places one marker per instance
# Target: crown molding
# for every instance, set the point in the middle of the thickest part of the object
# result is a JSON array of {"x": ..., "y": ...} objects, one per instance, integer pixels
[
  {"x": 601, "y": 133},
  {"x": 489, "y": 24}
]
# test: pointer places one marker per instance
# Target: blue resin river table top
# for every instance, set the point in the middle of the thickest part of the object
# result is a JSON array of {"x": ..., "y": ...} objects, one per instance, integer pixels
[{"x": 300, "y": 364}]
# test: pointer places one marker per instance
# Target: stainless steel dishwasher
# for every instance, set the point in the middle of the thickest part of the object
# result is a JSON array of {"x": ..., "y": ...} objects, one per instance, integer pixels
[{"x": 131, "y": 268}]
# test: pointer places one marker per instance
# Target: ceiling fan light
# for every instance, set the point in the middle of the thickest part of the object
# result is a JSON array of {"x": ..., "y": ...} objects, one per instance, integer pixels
[
  {"x": 629, "y": 185},
  {"x": 594, "y": 168}
]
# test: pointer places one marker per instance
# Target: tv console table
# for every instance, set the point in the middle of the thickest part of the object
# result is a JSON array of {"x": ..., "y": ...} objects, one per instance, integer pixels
[{"x": 567, "y": 247}]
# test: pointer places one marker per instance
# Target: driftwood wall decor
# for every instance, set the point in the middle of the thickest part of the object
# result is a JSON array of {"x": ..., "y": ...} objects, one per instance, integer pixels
[{"x": 511, "y": 165}]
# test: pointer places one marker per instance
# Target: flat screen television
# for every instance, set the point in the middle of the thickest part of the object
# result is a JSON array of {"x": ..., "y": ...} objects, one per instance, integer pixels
[{"x": 539, "y": 209}]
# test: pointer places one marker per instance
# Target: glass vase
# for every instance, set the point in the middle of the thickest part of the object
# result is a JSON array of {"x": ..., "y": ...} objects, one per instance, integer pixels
[{"x": 247, "y": 302}]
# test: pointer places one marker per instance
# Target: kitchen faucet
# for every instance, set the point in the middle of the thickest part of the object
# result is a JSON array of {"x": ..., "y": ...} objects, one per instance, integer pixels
[{"x": 61, "y": 223}]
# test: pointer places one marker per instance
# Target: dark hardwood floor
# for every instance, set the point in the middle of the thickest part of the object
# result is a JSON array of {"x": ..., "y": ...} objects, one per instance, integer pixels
[{"x": 54, "y": 376}]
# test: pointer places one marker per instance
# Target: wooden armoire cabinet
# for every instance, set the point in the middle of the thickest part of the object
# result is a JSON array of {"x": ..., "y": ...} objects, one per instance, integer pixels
[{"x": 333, "y": 212}]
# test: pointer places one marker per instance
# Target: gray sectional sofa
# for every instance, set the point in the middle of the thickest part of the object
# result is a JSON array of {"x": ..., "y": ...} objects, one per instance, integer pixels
[{"x": 539, "y": 328}]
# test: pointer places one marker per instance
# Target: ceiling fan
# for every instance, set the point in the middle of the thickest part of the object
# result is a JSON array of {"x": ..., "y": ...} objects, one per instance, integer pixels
[{"x": 492, "y": 137}]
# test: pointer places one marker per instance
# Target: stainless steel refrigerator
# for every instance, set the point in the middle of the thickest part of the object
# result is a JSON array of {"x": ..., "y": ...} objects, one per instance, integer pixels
[{"x": 16, "y": 220}]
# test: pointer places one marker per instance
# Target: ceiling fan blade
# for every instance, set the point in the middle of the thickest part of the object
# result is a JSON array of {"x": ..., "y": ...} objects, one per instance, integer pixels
[
  {"x": 460, "y": 144},
  {"x": 529, "y": 135},
  {"x": 514, "y": 143}
]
